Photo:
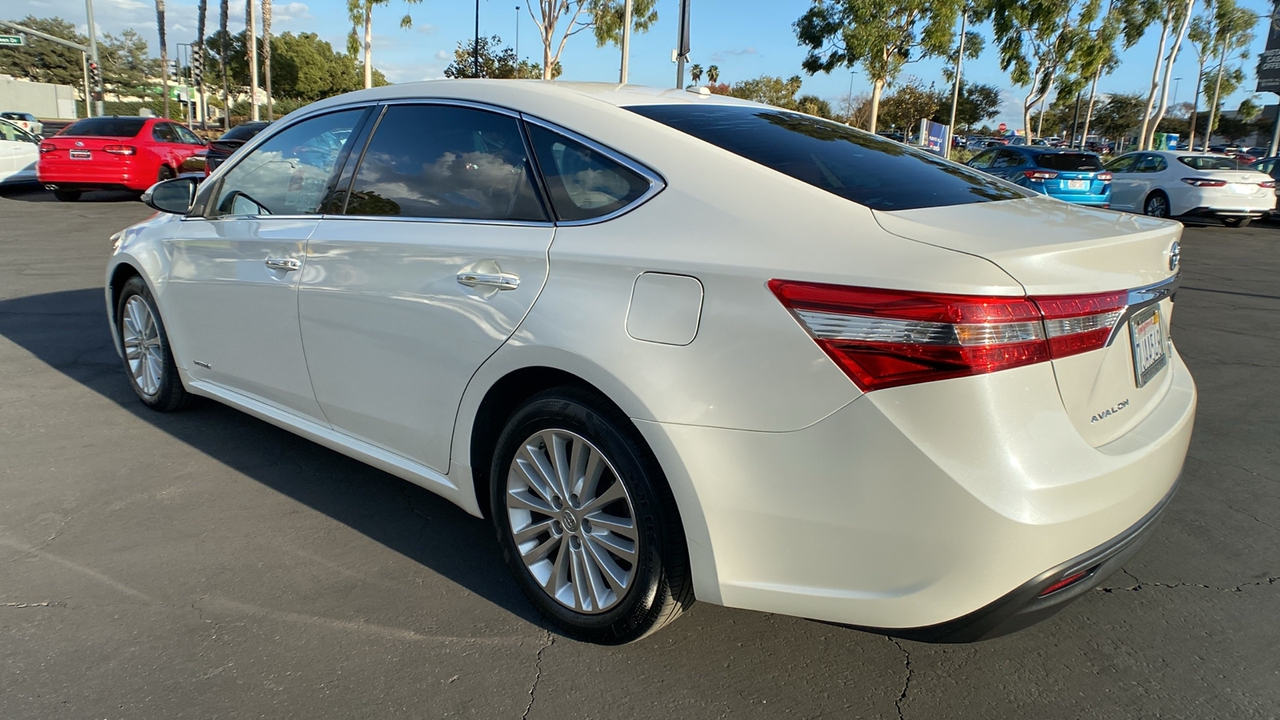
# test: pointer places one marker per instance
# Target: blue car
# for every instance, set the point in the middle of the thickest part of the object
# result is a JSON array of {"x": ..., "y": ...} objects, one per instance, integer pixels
[{"x": 1069, "y": 175}]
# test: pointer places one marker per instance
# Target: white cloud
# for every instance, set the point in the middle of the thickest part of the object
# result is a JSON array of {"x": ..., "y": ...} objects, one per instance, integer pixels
[
  {"x": 290, "y": 12},
  {"x": 720, "y": 55},
  {"x": 442, "y": 55},
  {"x": 425, "y": 28}
]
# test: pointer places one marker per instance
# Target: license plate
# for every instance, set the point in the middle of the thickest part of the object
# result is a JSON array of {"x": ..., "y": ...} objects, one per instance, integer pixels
[
  {"x": 1077, "y": 184},
  {"x": 1148, "y": 344},
  {"x": 1244, "y": 188},
  {"x": 79, "y": 154}
]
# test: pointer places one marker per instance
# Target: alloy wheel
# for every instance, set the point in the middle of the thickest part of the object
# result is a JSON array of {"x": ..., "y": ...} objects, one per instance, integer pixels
[
  {"x": 572, "y": 521},
  {"x": 141, "y": 337},
  {"x": 1157, "y": 206}
]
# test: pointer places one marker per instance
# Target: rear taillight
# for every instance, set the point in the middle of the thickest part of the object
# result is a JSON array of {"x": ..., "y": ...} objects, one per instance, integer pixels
[
  {"x": 1267, "y": 183},
  {"x": 1201, "y": 182},
  {"x": 47, "y": 147},
  {"x": 120, "y": 149},
  {"x": 886, "y": 338},
  {"x": 1039, "y": 175},
  {"x": 1104, "y": 177}
]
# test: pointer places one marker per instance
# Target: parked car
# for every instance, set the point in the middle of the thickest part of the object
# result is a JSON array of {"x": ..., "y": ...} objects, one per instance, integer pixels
[
  {"x": 231, "y": 140},
  {"x": 1205, "y": 185},
  {"x": 19, "y": 150},
  {"x": 942, "y": 407},
  {"x": 121, "y": 153},
  {"x": 1270, "y": 166},
  {"x": 24, "y": 120},
  {"x": 1072, "y": 176}
]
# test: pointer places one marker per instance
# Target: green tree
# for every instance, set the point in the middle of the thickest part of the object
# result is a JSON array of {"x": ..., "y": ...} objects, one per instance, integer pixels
[
  {"x": 266, "y": 56},
  {"x": 1175, "y": 20},
  {"x": 608, "y": 16},
  {"x": 814, "y": 105},
  {"x": 880, "y": 36},
  {"x": 911, "y": 102},
  {"x": 494, "y": 63},
  {"x": 695, "y": 73},
  {"x": 164, "y": 54},
  {"x": 713, "y": 74},
  {"x": 769, "y": 90},
  {"x": 1120, "y": 113},
  {"x": 126, "y": 63},
  {"x": 361, "y": 14},
  {"x": 978, "y": 103},
  {"x": 558, "y": 20},
  {"x": 43, "y": 61},
  {"x": 1234, "y": 32}
]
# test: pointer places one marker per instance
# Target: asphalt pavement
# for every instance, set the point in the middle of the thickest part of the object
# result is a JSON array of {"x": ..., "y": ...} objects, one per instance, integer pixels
[{"x": 207, "y": 565}]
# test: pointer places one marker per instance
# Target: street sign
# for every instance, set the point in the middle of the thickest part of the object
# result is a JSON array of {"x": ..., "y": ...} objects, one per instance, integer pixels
[
  {"x": 1002, "y": 127},
  {"x": 12, "y": 40}
]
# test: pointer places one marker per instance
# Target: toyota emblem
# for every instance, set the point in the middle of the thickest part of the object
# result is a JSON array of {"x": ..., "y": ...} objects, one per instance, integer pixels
[{"x": 1174, "y": 255}]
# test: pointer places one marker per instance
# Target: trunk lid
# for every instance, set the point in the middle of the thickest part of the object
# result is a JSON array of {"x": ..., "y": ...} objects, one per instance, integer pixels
[{"x": 1054, "y": 248}]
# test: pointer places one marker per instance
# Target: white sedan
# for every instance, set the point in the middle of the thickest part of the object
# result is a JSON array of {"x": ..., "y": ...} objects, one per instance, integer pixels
[
  {"x": 1190, "y": 184},
  {"x": 680, "y": 346},
  {"x": 24, "y": 120},
  {"x": 19, "y": 151}
]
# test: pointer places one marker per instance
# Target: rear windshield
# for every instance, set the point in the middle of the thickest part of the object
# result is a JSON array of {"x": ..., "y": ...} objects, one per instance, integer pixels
[
  {"x": 243, "y": 132},
  {"x": 1068, "y": 162},
  {"x": 106, "y": 127},
  {"x": 1211, "y": 162},
  {"x": 858, "y": 166}
]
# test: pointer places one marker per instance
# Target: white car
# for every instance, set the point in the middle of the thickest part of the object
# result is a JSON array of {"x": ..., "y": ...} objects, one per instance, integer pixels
[
  {"x": 19, "y": 151},
  {"x": 681, "y": 346},
  {"x": 1192, "y": 184},
  {"x": 24, "y": 120}
]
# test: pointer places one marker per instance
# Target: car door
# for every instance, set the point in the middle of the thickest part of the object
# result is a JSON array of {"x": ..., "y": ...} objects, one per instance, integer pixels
[
  {"x": 1124, "y": 181},
  {"x": 438, "y": 254},
  {"x": 231, "y": 298}
]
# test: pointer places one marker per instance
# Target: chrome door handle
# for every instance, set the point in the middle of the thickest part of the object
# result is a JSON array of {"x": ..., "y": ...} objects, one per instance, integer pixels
[
  {"x": 285, "y": 264},
  {"x": 501, "y": 281}
]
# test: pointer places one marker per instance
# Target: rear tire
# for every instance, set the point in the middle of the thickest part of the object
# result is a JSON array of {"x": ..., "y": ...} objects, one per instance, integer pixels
[
  {"x": 1236, "y": 222},
  {"x": 585, "y": 519},
  {"x": 1156, "y": 205},
  {"x": 148, "y": 359},
  {"x": 67, "y": 195}
]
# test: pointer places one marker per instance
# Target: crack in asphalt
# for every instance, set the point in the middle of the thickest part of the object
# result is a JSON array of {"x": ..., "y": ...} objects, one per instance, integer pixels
[
  {"x": 1139, "y": 585},
  {"x": 1231, "y": 465},
  {"x": 537, "y": 665},
  {"x": 45, "y": 604},
  {"x": 1253, "y": 517},
  {"x": 906, "y": 685}
]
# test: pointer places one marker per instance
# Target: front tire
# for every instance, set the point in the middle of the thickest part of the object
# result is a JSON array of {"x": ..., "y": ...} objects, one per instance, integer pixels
[
  {"x": 148, "y": 359},
  {"x": 586, "y": 522},
  {"x": 1235, "y": 222},
  {"x": 1157, "y": 205}
]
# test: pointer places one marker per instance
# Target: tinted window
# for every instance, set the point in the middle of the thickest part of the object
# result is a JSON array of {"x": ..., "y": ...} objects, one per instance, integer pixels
[
  {"x": 1082, "y": 162},
  {"x": 243, "y": 132},
  {"x": 439, "y": 161},
  {"x": 106, "y": 127},
  {"x": 186, "y": 136},
  {"x": 852, "y": 164},
  {"x": 983, "y": 161},
  {"x": 1122, "y": 164},
  {"x": 1209, "y": 162},
  {"x": 163, "y": 132},
  {"x": 289, "y": 173},
  {"x": 1007, "y": 159},
  {"x": 1151, "y": 164},
  {"x": 584, "y": 184}
]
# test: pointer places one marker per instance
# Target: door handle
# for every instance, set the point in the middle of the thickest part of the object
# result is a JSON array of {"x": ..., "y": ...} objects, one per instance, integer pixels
[
  {"x": 285, "y": 264},
  {"x": 499, "y": 280}
]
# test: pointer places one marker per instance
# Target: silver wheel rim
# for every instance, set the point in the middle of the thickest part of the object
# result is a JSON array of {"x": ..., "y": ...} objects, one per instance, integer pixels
[
  {"x": 572, "y": 521},
  {"x": 1156, "y": 207},
  {"x": 141, "y": 337}
]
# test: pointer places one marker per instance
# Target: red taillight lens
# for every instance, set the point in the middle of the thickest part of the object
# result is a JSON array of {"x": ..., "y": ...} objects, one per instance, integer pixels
[
  {"x": 1201, "y": 182},
  {"x": 1066, "y": 582},
  {"x": 886, "y": 338},
  {"x": 1104, "y": 177},
  {"x": 120, "y": 149},
  {"x": 1267, "y": 183},
  {"x": 47, "y": 147},
  {"x": 1039, "y": 175}
]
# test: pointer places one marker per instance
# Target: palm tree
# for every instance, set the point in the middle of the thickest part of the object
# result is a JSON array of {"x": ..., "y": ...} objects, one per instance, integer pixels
[
  {"x": 201, "y": 8},
  {"x": 361, "y": 13},
  {"x": 164, "y": 55},
  {"x": 266, "y": 54},
  {"x": 713, "y": 74},
  {"x": 222, "y": 57},
  {"x": 695, "y": 73}
]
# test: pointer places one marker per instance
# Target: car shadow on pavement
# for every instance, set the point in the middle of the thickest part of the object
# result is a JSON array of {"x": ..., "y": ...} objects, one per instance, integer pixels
[
  {"x": 68, "y": 330},
  {"x": 37, "y": 194}
]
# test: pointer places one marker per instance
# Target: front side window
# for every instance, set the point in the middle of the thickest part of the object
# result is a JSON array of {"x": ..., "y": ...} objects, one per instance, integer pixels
[
  {"x": 289, "y": 173},
  {"x": 15, "y": 133},
  {"x": 584, "y": 184},
  {"x": 442, "y": 161},
  {"x": 1122, "y": 164},
  {"x": 858, "y": 166},
  {"x": 186, "y": 136},
  {"x": 163, "y": 132}
]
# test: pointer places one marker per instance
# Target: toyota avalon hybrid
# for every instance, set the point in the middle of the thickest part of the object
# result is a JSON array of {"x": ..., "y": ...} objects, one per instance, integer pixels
[{"x": 679, "y": 346}]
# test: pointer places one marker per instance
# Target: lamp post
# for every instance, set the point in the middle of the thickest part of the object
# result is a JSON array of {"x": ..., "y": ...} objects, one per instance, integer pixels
[
  {"x": 477, "y": 45},
  {"x": 1174, "y": 102},
  {"x": 517, "y": 41}
]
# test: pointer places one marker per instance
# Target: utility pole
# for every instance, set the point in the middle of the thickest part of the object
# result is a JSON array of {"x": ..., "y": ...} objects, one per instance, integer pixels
[
  {"x": 682, "y": 43},
  {"x": 477, "y": 45},
  {"x": 93, "y": 54},
  {"x": 517, "y": 41},
  {"x": 626, "y": 41},
  {"x": 955, "y": 92}
]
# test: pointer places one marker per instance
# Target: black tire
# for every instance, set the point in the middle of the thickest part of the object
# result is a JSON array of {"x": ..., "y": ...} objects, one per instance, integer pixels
[
  {"x": 168, "y": 394},
  {"x": 1156, "y": 205},
  {"x": 661, "y": 586},
  {"x": 1235, "y": 222},
  {"x": 166, "y": 173},
  {"x": 67, "y": 195}
]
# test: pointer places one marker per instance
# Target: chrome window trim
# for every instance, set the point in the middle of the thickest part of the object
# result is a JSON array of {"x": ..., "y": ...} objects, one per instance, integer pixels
[
  {"x": 656, "y": 182},
  {"x": 1142, "y": 297},
  {"x": 436, "y": 221}
]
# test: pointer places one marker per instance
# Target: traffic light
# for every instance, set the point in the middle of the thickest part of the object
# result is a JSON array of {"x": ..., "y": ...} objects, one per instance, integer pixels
[
  {"x": 197, "y": 65},
  {"x": 95, "y": 76}
]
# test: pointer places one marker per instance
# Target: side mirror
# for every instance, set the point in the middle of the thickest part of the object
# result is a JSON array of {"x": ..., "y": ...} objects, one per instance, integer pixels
[{"x": 172, "y": 196}]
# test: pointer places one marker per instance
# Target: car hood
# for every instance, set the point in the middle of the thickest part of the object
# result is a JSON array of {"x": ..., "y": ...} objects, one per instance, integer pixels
[{"x": 1050, "y": 247}]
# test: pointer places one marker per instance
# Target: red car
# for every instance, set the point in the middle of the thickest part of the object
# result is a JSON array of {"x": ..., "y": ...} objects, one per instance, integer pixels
[{"x": 114, "y": 153}]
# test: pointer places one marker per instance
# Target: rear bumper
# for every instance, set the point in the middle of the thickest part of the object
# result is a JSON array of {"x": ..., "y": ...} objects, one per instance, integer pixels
[
  {"x": 1218, "y": 213},
  {"x": 68, "y": 177}
]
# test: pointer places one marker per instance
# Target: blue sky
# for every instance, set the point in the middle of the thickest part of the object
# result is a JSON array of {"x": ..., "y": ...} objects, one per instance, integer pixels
[{"x": 745, "y": 39}]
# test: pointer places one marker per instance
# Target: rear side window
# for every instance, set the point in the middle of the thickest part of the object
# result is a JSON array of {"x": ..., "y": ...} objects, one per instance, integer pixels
[
  {"x": 584, "y": 184},
  {"x": 440, "y": 161},
  {"x": 243, "y": 132},
  {"x": 1209, "y": 162},
  {"x": 1069, "y": 162},
  {"x": 869, "y": 170},
  {"x": 163, "y": 132},
  {"x": 106, "y": 127}
]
